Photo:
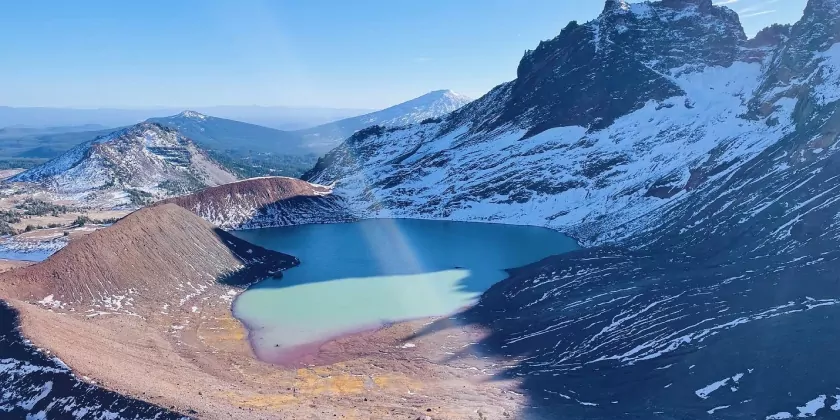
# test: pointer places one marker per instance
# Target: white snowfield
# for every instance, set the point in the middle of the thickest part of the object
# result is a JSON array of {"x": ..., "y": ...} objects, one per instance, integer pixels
[{"x": 551, "y": 179}]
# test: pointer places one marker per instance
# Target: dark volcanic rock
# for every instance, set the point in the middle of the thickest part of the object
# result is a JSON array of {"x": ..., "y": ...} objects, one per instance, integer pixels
[
  {"x": 714, "y": 291},
  {"x": 591, "y": 74}
]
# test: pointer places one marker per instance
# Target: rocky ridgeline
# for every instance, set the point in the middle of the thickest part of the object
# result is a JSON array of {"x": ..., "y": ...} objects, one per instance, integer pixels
[{"x": 701, "y": 167}]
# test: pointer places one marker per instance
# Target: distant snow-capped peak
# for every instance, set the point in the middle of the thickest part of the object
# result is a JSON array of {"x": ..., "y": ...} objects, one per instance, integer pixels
[
  {"x": 431, "y": 105},
  {"x": 434, "y": 104},
  {"x": 192, "y": 115}
]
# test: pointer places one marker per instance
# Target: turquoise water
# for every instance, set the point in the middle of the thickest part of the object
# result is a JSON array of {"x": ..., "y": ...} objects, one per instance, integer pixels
[{"x": 362, "y": 275}]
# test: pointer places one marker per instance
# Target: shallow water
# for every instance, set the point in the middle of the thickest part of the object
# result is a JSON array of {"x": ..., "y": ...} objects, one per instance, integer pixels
[{"x": 362, "y": 275}]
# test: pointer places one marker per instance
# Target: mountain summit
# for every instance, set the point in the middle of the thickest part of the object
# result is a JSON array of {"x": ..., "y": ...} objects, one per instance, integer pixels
[
  {"x": 434, "y": 104},
  {"x": 603, "y": 125},
  {"x": 137, "y": 163}
]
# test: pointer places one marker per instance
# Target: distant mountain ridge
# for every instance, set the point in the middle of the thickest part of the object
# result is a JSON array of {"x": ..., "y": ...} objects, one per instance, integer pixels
[
  {"x": 279, "y": 117},
  {"x": 224, "y": 134},
  {"x": 434, "y": 104}
]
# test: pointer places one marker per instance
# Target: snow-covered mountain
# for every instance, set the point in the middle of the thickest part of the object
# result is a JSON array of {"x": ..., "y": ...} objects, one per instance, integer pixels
[
  {"x": 604, "y": 126},
  {"x": 699, "y": 165},
  {"x": 137, "y": 163},
  {"x": 431, "y": 105},
  {"x": 223, "y": 134}
]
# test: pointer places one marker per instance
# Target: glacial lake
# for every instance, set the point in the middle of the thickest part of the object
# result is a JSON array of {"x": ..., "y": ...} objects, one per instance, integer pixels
[{"x": 363, "y": 275}]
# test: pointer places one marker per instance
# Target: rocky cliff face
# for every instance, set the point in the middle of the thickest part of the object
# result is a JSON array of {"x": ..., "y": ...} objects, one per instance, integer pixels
[
  {"x": 606, "y": 125},
  {"x": 265, "y": 202},
  {"x": 709, "y": 180},
  {"x": 129, "y": 166}
]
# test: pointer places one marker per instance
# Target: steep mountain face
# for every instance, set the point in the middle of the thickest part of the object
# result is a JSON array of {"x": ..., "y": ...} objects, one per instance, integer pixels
[
  {"x": 431, "y": 105},
  {"x": 607, "y": 123},
  {"x": 265, "y": 202},
  {"x": 707, "y": 173},
  {"x": 130, "y": 165},
  {"x": 223, "y": 134}
]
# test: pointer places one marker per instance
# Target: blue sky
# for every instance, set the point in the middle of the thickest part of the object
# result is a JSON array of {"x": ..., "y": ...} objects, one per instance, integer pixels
[{"x": 352, "y": 54}]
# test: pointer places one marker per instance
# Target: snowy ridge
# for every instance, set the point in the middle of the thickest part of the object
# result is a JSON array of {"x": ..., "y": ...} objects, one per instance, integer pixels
[
  {"x": 424, "y": 171},
  {"x": 146, "y": 157},
  {"x": 431, "y": 105},
  {"x": 505, "y": 158}
]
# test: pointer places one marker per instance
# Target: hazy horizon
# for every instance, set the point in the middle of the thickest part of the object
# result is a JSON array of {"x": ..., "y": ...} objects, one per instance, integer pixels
[{"x": 320, "y": 54}]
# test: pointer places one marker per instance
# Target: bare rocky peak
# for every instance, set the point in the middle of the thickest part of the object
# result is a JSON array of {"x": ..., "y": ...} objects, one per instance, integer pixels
[
  {"x": 592, "y": 73},
  {"x": 147, "y": 157}
]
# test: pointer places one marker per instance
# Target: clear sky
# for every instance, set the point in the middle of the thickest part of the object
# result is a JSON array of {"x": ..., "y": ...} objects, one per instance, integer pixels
[{"x": 330, "y": 53}]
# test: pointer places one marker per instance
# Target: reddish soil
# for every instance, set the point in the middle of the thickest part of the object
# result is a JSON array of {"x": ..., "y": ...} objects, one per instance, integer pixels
[
  {"x": 143, "y": 253},
  {"x": 140, "y": 307},
  {"x": 255, "y": 191}
]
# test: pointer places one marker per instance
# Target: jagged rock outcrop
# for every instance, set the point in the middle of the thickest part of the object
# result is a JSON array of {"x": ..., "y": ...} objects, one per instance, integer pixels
[
  {"x": 607, "y": 124},
  {"x": 265, "y": 202}
]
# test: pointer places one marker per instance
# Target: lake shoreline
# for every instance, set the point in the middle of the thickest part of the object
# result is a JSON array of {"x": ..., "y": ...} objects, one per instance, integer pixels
[{"x": 358, "y": 277}]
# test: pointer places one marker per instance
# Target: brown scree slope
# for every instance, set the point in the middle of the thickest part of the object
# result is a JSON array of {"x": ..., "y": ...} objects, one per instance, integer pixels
[{"x": 145, "y": 254}]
